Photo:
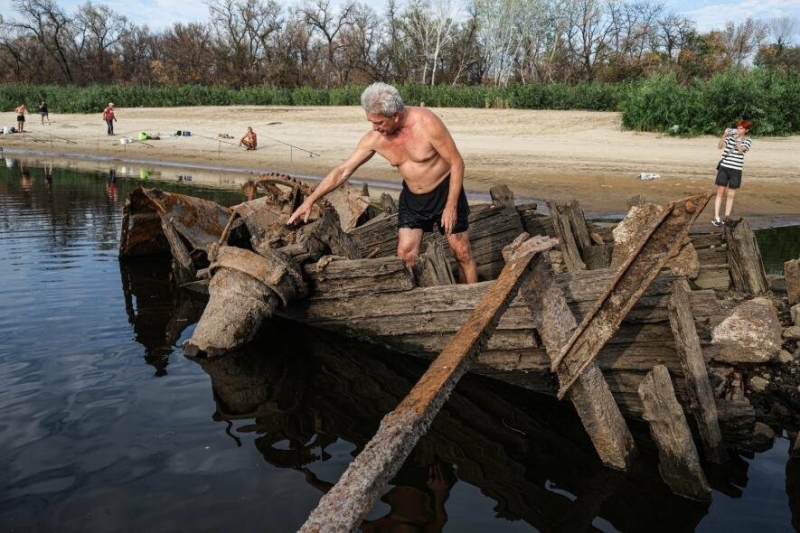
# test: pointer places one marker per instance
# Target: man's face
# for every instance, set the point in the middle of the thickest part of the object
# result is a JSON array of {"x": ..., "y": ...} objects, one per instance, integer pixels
[{"x": 381, "y": 124}]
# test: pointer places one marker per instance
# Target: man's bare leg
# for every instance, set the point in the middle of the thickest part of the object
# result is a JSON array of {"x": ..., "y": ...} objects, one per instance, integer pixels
[
  {"x": 459, "y": 244},
  {"x": 409, "y": 241}
]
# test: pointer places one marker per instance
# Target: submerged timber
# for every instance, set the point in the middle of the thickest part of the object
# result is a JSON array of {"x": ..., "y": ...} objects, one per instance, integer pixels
[{"x": 656, "y": 315}]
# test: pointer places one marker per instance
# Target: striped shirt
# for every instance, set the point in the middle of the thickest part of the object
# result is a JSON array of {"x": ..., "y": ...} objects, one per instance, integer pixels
[{"x": 731, "y": 157}]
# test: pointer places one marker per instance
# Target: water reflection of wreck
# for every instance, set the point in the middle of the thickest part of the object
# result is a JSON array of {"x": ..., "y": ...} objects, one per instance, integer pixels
[
  {"x": 156, "y": 309},
  {"x": 527, "y": 452}
]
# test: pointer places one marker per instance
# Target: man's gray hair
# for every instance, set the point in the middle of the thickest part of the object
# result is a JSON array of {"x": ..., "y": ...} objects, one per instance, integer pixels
[{"x": 382, "y": 98}]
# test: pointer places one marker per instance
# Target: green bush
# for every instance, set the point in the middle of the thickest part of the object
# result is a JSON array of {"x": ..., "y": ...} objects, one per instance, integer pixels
[{"x": 769, "y": 98}]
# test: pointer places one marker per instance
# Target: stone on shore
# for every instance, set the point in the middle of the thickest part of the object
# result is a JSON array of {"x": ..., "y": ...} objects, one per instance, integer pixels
[
  {"x": 792, "y": 333},
  {"x": 751, "y": 334}
]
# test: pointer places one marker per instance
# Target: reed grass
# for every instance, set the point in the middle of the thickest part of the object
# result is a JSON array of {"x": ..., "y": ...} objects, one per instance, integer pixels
[{"x": 769, "y": 97}]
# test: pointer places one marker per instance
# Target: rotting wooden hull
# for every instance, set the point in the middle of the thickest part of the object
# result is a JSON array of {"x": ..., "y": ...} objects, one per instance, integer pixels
[
  {"x": 420, "y": 320},
  {"x": 376, "y": 300}
]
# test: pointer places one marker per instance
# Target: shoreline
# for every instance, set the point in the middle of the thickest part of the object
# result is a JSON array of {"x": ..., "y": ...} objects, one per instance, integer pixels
[
  {"x": 211, "y": 175},
  {"x": 540, "y": 155}
]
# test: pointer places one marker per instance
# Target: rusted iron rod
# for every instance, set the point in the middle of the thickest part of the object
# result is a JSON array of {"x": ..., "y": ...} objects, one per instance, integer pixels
[{"x": 662, "y": 242}]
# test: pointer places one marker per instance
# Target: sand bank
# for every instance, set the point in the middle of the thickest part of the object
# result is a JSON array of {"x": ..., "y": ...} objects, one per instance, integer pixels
[{"x": 541, "y": 155}]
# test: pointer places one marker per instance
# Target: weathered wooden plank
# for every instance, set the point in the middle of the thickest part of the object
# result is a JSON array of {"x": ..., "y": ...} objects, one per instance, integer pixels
[
  {"x": 343, "y": 279},
  {"x": 642, "y": 267},
  {"x": 353, "y": 496},
  {"x": 717, "y": 277},
  {"x": 377, "y": 237},
  {"x": 536, "y": 223},
  {"x": 185, "y": 271},
  {"x": 562, "y": 224},
  {"x": 503, "y": 198},
  {"x": 388, "y": 205},
  {"x": 678, "y": 461},
  {"x": 698, "y": 387},
  {"x": 590, "y": 396},
  {"x": 491, "y": 228},
  {"x": 791, "y": 273},
  {"x": 713, "y": 256},
  {"x": 706, "y": 240},
  {"x": 577, "y": 220},
  {"x": 432, "y": 269},
  {"x": 744, "y": 258},
  {"x": 598, "y": 256}
]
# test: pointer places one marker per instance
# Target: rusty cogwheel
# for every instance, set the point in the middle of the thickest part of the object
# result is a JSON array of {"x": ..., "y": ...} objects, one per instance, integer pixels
[{"x": 298, "y": 191}]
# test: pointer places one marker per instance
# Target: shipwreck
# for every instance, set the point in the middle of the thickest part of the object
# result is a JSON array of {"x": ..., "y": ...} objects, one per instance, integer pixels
[{"x": 649, "y": 318}]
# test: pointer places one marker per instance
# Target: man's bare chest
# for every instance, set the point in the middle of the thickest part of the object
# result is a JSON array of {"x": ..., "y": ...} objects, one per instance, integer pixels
[{"x": 407, "y": 147}]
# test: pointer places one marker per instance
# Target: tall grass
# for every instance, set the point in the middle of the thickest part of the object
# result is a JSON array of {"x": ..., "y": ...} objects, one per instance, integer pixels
[
  {"x": 771, "y": 98},
  {"x": 592, "y": 96}
]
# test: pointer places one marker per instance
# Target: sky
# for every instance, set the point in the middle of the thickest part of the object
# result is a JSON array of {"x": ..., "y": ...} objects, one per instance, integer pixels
[{"x": 708, "y": 14}]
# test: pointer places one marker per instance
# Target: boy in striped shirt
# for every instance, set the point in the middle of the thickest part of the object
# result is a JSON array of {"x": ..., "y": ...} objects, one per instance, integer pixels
[{"x": 729, "y": 171}]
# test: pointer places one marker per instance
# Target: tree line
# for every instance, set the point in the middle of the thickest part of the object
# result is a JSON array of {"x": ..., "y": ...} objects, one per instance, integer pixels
[{"x": 320, "y": 45}]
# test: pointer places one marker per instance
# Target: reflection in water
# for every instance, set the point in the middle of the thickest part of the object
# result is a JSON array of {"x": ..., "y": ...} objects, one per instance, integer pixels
[
  {"x": 91, "y": 442},
  {"x": 778, "y": 245},
  {"x": 157, "y": 310},
  {"x": 111, "y": 185},
  {"x": 302, "y": 390}
]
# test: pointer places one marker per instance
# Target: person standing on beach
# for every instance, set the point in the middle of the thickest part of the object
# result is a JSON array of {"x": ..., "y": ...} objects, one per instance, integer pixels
[
  {"x": 735, "y": 143},
  {"x": 21, "y": 111},
  {"x": 249, "y": 140},
  {"x": 416, "y": 142},
  {"x": 44, "y": 113},
  {"x": 109, "y": 117}
]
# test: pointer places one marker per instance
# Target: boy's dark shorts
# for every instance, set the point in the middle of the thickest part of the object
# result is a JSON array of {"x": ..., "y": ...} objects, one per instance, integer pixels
[
  {"x": 729, "y": 177},
  {"x": 425, "y": 210}
]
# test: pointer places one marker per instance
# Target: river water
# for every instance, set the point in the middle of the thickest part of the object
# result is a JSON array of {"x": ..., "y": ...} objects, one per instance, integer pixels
[{"x": 106, "y": 426}]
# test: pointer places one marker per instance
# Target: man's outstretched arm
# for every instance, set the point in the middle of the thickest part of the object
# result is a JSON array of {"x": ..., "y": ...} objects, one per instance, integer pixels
[{"x": 334, "y": 179}]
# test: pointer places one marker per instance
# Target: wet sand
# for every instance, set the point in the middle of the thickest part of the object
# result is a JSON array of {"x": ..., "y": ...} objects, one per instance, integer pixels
[{"x": 540, "y": 155}]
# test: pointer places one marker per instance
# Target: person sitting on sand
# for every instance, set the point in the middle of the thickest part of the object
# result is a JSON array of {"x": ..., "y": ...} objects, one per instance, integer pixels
[{"x": 249, "y": 139}]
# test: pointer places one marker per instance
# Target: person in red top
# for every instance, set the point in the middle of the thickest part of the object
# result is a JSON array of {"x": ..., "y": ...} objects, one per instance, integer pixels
[{"x": 108, "y": 116}]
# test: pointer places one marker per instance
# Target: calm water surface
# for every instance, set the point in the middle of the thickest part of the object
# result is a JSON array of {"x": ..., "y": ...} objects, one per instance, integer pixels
[{"x": 106, "y": 426}]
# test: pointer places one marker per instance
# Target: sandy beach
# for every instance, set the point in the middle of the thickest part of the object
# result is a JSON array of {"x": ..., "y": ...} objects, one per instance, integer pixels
[{"x": 540, "y": 155}]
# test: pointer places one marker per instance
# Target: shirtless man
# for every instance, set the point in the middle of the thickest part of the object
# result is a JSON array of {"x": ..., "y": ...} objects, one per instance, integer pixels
[
  {"x": 21, "y": 111},
  {"x": 249, "y": 139},
  {"x": 418, "y": 144}
]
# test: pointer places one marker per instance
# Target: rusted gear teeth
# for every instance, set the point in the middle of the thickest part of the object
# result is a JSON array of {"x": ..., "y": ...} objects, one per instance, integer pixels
[
  {"x": 278, "y": 178},
  {"x": 283, "y": 179}
]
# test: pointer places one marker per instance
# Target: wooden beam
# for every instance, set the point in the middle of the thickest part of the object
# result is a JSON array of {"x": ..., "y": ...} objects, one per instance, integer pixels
[
  {"x": 661, "y": 243},
  {"x": 503, "y": 197},
  {"x": 791, "y": 272},
  {"x": 562, "y": 224},
  {"x": 432, "y": 268},
  {"x": 678, "y": 461},
  {"x": 698, "y": 387},
  {"x": 185, "y": 271},
  {"x": 590, "y": 395},
  {"x": 744, "y": 258},
  {"x": 354, "y": 495}
]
